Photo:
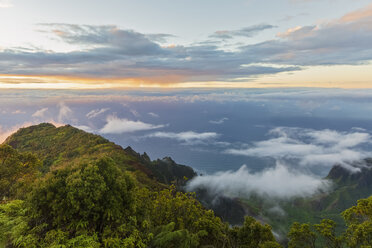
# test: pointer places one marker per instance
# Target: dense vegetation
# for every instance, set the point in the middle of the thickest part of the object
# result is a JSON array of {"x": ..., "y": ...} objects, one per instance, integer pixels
[
  {"x": 346, "y": 189},
  {"x": 62, "y": 187}
]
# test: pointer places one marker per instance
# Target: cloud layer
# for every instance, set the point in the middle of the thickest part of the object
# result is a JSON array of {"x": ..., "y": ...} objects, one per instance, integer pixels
[
  {"x": 310, "y": 147},
  {"x": 245, "y": 32},
  {"x": 115, "y": 125},
  {"x": 96, "y": 112},
  {"x": 277, "y": 183},
  {"x": 111, "y": 52},
  {"x": 6, "y": 4},
  {"x": 188, "y": 137},
  {"x": 40, "y": 113}
]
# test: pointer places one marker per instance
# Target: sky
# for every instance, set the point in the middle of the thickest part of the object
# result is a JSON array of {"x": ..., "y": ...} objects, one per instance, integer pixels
[
  {"x": 264, "y": 96},
  {"x": 94, "y": 44}
]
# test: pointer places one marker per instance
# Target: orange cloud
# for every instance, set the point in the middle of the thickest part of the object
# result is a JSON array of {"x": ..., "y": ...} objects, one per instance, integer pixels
[
  {"x": 71, "y": 82},
  {"x": 357, "y": 15},
  {"x": 4, "y": 134}
]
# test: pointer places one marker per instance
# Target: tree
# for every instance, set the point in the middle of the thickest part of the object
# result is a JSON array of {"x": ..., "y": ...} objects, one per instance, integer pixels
[
  {"x": 96, "y": 201},
  {"x": 187, "y": 213},
  {"x": 326, "y": 230},
  {"x": 301, "y": 236},
  {"x": 17, "y": 172},
  {"x": 253, "y": 234},
  {"x": 359, "y": 224},
  {"x": 167, "y": 237}
]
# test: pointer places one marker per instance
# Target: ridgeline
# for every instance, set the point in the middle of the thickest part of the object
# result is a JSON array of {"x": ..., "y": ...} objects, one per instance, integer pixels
[{"x": 63, "y": 187}]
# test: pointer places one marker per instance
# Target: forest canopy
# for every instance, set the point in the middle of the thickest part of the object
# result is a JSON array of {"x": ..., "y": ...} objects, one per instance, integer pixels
[{"x": 80, "y": 199}]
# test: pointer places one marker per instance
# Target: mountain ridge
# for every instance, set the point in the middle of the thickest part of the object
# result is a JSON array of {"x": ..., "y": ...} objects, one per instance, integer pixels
[{"x": 57, "y": 146}]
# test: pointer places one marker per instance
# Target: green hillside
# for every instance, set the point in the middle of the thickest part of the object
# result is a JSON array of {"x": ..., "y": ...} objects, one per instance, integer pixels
[
  {"x": 63, "y": 187},
  {"x": 68, "y": 145}
]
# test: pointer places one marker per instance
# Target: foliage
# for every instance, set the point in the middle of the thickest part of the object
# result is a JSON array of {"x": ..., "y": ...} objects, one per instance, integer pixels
[
  {"x": 84, "y": 197},
  {"x": 168, "y": 237},
  {"x": 13, "y": 223},
  {"x": 182, "y": 209},
  {"x": 326, "y": 230},
  {"x": 253, "y": 234},
  {"x": 359, "y": 222},
  {"x": 301, "y": 235},
  {"x": 357, "y": 235},
  {"x": 17, "y": 171},
  {"x": 98, "y": 205},
  {"x": 67, "y": 145}
]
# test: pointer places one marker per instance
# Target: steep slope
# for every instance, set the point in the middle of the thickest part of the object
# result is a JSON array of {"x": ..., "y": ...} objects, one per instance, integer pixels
[
  {"x": 347, "y": 188},
  {"x": 93, "y": 193},
  {"x": 66, "y": 145}
]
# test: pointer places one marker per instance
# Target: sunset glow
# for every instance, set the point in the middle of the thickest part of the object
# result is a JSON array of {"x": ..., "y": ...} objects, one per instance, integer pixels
[{"x": 283, "y": 48}]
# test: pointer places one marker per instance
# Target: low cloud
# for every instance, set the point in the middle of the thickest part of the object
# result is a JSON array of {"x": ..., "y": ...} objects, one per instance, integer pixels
[
  {"x": 218, "y": 122},
  {"x": 115, "y": 125},
  {"x": 189, "y": 137},
  {"x": 40, "y": 113},
  {"x": 5, "y": 133},
  {"x": 18, "y": 112},
  {"x": 153, "y": 114},
  {"x": 96, "y": 112},
  {"x": 134, "y": 113},
  {"x": 310, "y": 147},
  {"x": 65, "y": 113},
  {"x": 277, "y": 183},
  {"x": 85, "y": 128}
]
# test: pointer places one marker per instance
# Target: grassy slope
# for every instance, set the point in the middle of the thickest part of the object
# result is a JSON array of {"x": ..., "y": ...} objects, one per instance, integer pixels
[{"x": 66, "y": 145}]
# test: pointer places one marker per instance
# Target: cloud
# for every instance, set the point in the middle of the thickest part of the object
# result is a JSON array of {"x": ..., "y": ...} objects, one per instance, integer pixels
[
  {"x": 153, "y": 114},
  {"x": 277, "y": 183},
  {"x": 220, "y": 121},
  {"x": 361, "y": 14},
  {"x": 6, "y": 3},
  {"x": 107, "y": 38},
  {"x": 310, "y": 147},
  {"x": 64, "y": 113},
  {"x": 114, "y": 125},
  {"x": 188, "y": 137},
  {"x": 245, "y": 32},
  {"x": 342, "y": 41},
  {"x": 96, "y": 112},
  {"x": 18, "y": 111},
  {"x": 5, "y": 133},
  {"x": 134, "y": 113},
  {"x": 109, "y": 52},
  {"x": 40, "y": 113},
  {"x": 85, "y": 128},
  {"x": 161, "y": 38}
]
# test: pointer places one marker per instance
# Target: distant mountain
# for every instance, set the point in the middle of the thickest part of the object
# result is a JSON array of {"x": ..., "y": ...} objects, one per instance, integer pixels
[
  {"x": 64, "y": 185},
  {"x": 348, "y": 185},
  {"x": 67, "y": 145}
]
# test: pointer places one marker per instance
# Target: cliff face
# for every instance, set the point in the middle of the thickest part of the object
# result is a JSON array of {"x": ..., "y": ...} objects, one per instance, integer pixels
[
  {"x": 359, "y": 175},
  {"x": 66, "y": 145}
]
